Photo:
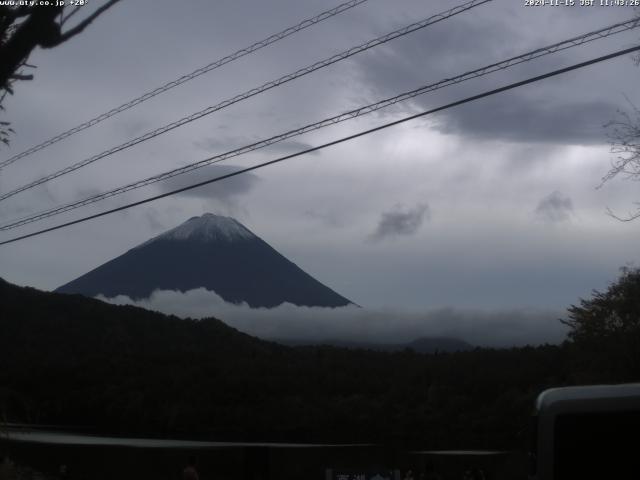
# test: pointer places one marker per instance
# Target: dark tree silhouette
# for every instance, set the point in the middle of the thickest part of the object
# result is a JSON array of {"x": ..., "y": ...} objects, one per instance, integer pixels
[
  {"x": 625, "y": 144},
  {"x": 23, "y": 28},
  {"x": 606, "y": 328}
]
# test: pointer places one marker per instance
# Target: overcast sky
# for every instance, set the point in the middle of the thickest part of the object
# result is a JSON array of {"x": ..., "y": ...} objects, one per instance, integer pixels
[{"x": 490, "y": 206}]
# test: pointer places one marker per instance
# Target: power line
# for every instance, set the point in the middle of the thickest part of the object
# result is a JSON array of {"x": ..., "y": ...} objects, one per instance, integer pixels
[
  {"x": 510, "y": 62},
  {"x": 190, "y": 76},
  {"x": 255, "y": 91},
  {"x": 335, "y": 142}
]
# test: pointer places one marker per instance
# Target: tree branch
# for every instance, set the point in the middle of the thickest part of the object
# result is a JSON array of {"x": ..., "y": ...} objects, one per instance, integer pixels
[
  {"x": 20, "y": 76},
  {"x": 628, "y": 218},
  {"x": 85, "y": 23},
  {"x": 71, "y": 14},
  {"x": 15, "y": 13}
]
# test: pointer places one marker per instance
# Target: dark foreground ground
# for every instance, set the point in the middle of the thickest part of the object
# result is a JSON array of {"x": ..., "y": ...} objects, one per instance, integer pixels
[{"x": 281, "y": 462}]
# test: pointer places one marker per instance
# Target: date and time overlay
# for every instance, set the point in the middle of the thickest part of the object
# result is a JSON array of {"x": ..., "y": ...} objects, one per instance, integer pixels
[
  {"x": 527, "y": 3},
  {"x": 582, "y": 3}
]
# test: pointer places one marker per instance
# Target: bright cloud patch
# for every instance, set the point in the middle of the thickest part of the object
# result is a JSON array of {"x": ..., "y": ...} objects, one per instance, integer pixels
[{"x": 289, "y": 322}]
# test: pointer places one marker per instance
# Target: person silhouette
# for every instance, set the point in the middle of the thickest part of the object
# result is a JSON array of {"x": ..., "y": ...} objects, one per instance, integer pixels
[
  {"x": 190, "y": 472},
  {"x": 430, "y": 472}
]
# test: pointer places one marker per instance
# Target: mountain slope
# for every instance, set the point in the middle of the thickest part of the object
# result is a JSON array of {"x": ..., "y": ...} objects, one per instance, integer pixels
[{"x": 214, "y": 252}]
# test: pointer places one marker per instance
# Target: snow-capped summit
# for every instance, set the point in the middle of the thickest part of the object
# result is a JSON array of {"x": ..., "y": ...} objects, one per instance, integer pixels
[
  {"x": 213, "y": 252},
  {"x": 208, "y": 227}
]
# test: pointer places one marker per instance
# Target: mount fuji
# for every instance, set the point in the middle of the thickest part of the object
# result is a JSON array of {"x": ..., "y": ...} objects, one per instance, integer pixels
[{"x": 214, "y": 252}]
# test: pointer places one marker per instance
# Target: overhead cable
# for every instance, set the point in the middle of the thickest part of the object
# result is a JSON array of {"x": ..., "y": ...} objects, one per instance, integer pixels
[
  {"x": 250, "y": 93},
  {"x": 185, "y": 78}
]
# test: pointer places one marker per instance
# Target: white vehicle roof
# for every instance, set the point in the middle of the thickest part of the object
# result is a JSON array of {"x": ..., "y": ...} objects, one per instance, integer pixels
[{"x": 572, "y": 399}]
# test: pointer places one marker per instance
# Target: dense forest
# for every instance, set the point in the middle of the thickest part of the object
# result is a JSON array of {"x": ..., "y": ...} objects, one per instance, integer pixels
[{"x": 67, "y": 359}]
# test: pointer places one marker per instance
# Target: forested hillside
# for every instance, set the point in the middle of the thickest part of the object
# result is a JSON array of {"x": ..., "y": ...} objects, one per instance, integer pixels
[{"x": 67, "y": 359}]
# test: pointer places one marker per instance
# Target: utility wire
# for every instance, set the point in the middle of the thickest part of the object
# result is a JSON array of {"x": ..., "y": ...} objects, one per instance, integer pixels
[
  {"x": 185, "y": 78},
  {"x": 255, "y": 91},
  {"x": 336, "y": 142},
  {"x": 547, "y": 50}
]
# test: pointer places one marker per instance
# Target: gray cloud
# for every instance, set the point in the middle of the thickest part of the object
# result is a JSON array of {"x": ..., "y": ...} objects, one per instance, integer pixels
[
  {"x": 222, "y": 143},
  {"x": 289, "y": 322},
  {"x": 327, "y": 218},
  {"x": 86, "y": 192},
  {"x": 555, "y": 207},
  {"x": 226, "y": 143},
  {"x": 132, "y": 127},
  {"x": 152, "y": 217},
  {"x": 18, "y": 207},
  {"x": 401, "y": 221},
  {"x": 292, "y": 146},
  {"x": 552, "y": 111},
  {"x": 406, "y": 63},
  {"x": 542, "y": 116},
  {"x": 224, "y": 191},
  {"x": 520, "y": 118}
]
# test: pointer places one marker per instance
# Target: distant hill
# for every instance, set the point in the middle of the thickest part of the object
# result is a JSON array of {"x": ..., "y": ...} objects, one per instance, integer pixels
[
  {"x": 83, "y": 327},
  {"x": 420, "y": 345},
  {"x": 214, "y": 252},
  {"x": 68, "y": 359}
]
